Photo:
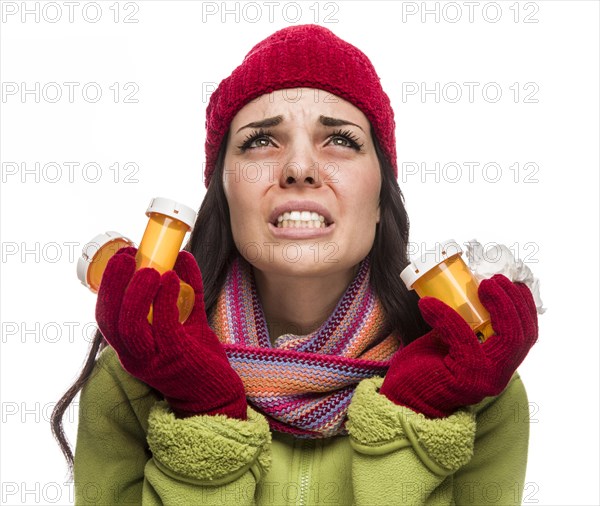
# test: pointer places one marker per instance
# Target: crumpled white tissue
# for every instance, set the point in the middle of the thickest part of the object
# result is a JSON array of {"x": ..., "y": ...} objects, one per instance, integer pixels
[{"x": 498, "y": 259}]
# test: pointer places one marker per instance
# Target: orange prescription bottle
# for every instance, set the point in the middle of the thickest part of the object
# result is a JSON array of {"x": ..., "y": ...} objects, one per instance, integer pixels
[
  {"x": 443, "y": 274},
  {"x": 168, "y": 223}
]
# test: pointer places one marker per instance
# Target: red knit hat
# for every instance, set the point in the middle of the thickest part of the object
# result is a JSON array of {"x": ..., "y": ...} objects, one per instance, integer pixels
[{"x": 301, "y": 56}]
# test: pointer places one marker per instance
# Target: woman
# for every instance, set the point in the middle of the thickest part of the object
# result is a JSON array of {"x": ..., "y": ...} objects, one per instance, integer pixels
[{"x": 305, "y": 373}]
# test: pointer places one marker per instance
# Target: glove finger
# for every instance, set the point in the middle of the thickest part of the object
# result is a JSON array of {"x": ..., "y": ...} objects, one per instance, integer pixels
[
  {"x": 188, "y": 271},
  {"x": 512, "y": 290},
  {"x": 186, "y": 267},
  {"x": 117, "y": 275},
  {"x": 133, "y": 321},
  {"x": 453, "y": 330},
  {"x": 165, "y": 316},
  {"x": 128, "y": 250},
  {"x": 509, "y": 338},
  {"x": 529, "y": 300}
]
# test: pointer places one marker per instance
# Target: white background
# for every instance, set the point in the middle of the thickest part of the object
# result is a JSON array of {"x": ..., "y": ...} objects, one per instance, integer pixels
[{"x": 172, "y": 56}]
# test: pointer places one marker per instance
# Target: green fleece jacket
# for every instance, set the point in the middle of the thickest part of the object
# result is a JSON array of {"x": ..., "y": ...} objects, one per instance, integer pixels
[{"x": 132, "y": 450}]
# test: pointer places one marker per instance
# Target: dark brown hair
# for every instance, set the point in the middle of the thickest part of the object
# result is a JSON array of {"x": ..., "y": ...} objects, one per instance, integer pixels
[{"x": 211, "y": 243}]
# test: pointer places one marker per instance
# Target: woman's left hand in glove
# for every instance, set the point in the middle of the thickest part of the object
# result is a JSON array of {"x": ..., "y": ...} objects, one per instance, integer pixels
[{"x": 448, "y": 368}]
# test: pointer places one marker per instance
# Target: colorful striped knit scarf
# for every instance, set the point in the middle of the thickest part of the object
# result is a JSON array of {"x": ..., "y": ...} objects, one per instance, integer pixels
[{"x": 304, "y": 383}]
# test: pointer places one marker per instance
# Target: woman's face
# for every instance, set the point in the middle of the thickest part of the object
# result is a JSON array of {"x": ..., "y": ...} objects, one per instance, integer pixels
[{"x": 308, "y": 153}]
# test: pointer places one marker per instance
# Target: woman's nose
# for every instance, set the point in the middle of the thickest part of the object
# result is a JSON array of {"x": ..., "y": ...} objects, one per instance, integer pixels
[
  {"x": 301, "y": 167},
  {"x": 298, "y": 174}
]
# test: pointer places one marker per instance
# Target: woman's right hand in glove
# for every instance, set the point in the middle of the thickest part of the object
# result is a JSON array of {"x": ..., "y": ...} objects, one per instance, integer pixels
[{"x": 185, "y": 362}]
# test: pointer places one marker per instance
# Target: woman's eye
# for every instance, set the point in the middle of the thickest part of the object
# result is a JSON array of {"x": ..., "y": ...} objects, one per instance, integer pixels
[
  {"x": 346, "y": 139},
  {"x": 260, "y": 142},
  {"x": 340, "y": 141},
  {"x": 258, "y": 139}
]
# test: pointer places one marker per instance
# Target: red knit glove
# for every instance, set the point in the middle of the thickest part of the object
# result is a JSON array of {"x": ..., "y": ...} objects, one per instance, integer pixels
[
  {"x": 448, "y": 368},
  {"x": 185, "y": 362}
]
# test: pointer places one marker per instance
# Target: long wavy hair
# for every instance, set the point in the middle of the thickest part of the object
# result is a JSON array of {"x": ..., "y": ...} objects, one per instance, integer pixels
[{"x": 211, "y": 243}]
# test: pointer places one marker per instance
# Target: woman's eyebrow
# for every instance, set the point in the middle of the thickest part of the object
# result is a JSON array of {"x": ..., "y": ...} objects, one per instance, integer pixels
[
  {"x": 328, "y": 121},
  {"x": 267, "y": 122},
  {"x": 275, "y": 120}
]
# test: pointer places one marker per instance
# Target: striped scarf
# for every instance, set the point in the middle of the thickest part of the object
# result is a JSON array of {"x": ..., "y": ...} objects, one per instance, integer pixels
[{"x": 304, "y": 383}]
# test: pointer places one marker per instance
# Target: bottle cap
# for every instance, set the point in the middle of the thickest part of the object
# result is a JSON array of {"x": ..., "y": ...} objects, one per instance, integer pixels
[
  {"x": 427, "y": 260},
  {"x": 172, "y": 209},
  {"x": 92, "y": 248}
]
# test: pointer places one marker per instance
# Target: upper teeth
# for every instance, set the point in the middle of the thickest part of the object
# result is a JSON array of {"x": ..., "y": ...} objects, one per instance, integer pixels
[
  {"x": 301, "y": 216},
  {"x": 301, "y": 219}
]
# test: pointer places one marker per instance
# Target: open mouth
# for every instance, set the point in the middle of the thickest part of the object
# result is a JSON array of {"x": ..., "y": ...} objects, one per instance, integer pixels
[{"x": 301, "y": 219}]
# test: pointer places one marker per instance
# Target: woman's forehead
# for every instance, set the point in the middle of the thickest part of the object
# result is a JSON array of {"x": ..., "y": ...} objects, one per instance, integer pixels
[{"x": 295, "y": 102}]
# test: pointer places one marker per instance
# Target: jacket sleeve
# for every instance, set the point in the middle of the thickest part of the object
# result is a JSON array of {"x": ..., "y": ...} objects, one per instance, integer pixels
[
  {"x": 131, "y": 449},
  {"x": 477, "y": 455}
]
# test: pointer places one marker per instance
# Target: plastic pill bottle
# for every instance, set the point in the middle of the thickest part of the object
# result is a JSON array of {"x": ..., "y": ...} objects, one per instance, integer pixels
[
  {"x": 168, "y": 223},
  {"x": 442, "y": 273}
]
